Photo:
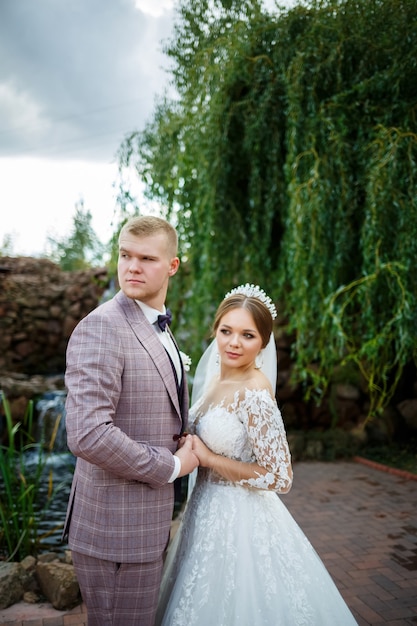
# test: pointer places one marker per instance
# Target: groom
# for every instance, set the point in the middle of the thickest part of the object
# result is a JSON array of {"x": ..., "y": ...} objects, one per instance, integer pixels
[{"x": 127, "y": 403}]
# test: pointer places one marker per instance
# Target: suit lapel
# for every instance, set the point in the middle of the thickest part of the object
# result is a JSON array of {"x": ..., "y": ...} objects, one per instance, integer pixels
[{"x": 146, "y": 335}]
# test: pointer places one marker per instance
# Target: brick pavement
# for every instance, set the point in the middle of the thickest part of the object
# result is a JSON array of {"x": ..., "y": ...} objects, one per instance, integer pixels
[{"x": 362, "y": 522}]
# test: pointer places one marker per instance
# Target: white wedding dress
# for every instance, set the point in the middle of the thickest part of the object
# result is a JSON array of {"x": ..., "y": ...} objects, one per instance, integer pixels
[{"x": 239, "y": 558}]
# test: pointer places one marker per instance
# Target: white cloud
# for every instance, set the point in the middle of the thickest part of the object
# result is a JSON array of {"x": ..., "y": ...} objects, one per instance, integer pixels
[
  {"x": 17, "y": 106},
  {"x": 75, "y": 78},
  {"x": 156, "y": 8},
  {"x": 38, "y": 198},
  {"x": 21, "y": 116}
]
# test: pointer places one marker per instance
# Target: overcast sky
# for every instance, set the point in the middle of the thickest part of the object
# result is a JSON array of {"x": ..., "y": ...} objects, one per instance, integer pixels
[{"x": 75, "y": 77}]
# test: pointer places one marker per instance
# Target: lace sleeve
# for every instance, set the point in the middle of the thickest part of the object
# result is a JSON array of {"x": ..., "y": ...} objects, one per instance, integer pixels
[{"x": 262, "y": 418}]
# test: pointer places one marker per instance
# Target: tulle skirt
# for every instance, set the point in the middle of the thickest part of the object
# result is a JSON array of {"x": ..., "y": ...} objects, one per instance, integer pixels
[{"x": 240, "y": 559}]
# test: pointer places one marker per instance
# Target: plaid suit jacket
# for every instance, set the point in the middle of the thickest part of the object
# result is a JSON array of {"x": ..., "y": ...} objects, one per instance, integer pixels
[{"x": 122, "y": 412}]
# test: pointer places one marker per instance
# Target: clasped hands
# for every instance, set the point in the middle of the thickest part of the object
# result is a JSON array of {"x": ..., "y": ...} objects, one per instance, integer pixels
[{"x": 192, "y": 452}]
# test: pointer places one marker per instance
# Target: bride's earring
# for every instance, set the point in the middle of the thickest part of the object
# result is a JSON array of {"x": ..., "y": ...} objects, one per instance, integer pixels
[
  {"x": 259, "y": 361},
  {"x": 217, "y": 358}
]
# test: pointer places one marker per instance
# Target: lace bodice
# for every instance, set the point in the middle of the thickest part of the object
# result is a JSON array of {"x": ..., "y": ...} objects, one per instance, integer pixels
[{"x": 249, "y": 429}]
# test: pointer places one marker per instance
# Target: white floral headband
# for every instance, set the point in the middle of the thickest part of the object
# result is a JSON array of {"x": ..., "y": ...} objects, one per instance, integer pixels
[{"x": 254, "y": 291}]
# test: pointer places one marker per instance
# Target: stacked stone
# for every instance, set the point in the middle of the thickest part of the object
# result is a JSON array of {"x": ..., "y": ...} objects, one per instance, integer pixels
[{"x": 40, "y": 305}]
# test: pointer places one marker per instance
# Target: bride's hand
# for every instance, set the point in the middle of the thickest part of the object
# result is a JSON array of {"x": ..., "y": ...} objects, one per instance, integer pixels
[{"x": 202, "y": 452}]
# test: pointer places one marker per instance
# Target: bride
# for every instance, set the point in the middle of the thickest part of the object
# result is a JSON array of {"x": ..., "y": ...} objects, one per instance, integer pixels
[{"x": 239, "y": 558}]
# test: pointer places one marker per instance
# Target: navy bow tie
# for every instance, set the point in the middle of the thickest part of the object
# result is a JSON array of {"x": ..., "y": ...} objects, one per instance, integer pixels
[{"x": 163, "y": 320}]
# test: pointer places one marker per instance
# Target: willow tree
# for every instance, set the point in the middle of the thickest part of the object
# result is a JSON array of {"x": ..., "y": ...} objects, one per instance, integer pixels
[{"x": 288, "y": 157}]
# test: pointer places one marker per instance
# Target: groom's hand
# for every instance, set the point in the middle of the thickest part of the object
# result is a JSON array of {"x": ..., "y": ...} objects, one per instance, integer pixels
[{"x": 188, "y": 459}]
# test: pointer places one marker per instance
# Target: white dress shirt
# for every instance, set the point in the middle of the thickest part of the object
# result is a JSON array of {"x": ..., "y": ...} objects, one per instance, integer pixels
[
  {"x": 163, "y": 335},
  {"x": 169, "y": 345}
]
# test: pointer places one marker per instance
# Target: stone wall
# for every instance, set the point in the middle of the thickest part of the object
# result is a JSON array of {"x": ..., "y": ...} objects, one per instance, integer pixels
[{"x": 40, "y": 306}]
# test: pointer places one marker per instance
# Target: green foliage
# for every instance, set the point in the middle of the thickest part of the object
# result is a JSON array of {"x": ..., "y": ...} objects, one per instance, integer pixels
[
  {"x": 6, "y": 248},
  {"x": 401, "y": 455},
  {"x": 351, "y": 226},
  {"x": 20, "y": 508},
  {"x": 289, "y": 159},
  {"x": 82, "y": 248}
]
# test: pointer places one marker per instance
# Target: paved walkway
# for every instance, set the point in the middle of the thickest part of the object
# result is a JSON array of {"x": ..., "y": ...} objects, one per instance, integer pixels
[{"x": 362, "y": 522}]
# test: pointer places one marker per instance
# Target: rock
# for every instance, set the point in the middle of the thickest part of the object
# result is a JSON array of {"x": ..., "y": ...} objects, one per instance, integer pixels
[
  {"x": 59, "y": 585},
  {"x": 30, "y": 583},
  {"x": 12, "y": 576},
  {"x": 347, "y": 392},
  {"x": 48, "y": 557},
  {"x": 67, "y": 557},
  {"x": 49, "y": 577},
  {"x": 31, "y": 597},
  {"x": 382, "y": 429},
  {"x": 359, "y": 433},
  {"x": 314, "y": 450},
  {"x": 408, "y": 409},
  {"x": 36, "y": 301},
  {"x": 28, "y": 563}
]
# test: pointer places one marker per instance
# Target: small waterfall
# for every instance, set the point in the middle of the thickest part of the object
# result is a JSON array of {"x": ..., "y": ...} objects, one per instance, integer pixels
[
  {"x": 51, "y": 432},
  {"x": 50, "y": 410}
]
